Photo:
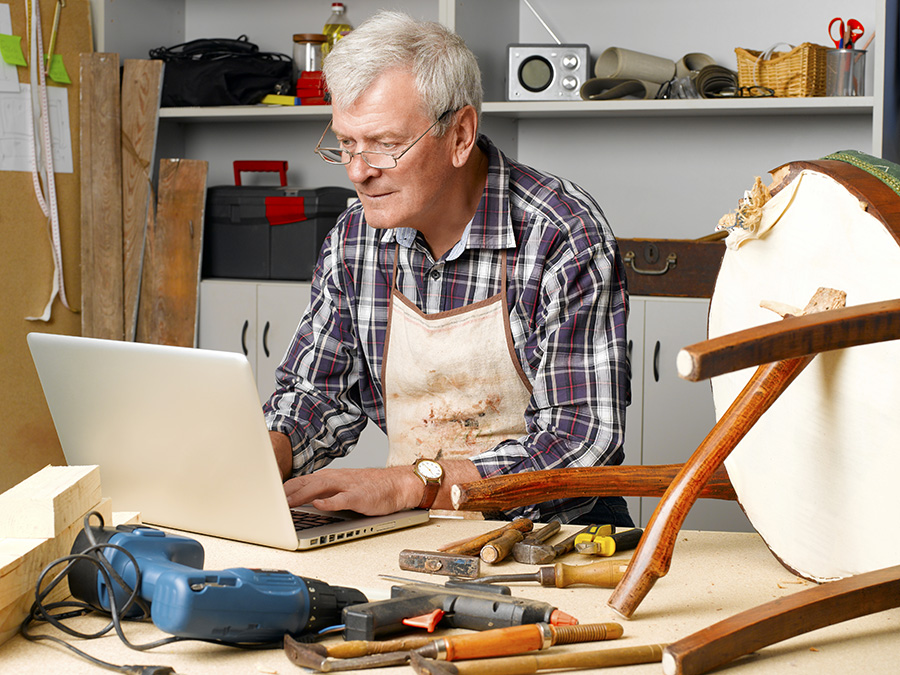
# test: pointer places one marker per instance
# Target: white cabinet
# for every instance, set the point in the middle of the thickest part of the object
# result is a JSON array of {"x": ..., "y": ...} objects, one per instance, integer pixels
[
  {"x": 669, "y": 417},
  {"x": 258, "y": 319}
]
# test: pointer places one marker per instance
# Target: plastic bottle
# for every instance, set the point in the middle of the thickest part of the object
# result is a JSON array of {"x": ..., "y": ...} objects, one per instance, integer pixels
[{"x": 336, "y": 27}]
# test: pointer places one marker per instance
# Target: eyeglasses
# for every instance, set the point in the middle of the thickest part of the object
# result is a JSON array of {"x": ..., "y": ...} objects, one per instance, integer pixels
[
  {"x": 754, "y": 91},
  {"x": 377, "y": 160}
]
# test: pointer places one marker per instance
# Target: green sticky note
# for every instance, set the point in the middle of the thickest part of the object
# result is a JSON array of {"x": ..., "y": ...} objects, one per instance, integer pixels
[
  {"x": 11, "y": 50},
  {"x": 57, "y": 71}
]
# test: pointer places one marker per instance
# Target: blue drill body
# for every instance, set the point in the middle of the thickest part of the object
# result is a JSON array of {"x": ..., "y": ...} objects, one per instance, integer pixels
[{"x": 237, "y": 605}]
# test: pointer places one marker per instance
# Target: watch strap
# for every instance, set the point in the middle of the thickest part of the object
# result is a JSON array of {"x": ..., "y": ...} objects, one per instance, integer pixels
[{"x": 431, "y": 492}]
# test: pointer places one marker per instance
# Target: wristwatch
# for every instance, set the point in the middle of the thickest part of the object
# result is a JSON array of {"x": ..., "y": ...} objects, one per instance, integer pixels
[{"x": 431, "y": 474}]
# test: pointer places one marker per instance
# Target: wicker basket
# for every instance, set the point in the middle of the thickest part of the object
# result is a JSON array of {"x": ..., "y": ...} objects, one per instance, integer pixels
[{"x": 799, "y": 72}]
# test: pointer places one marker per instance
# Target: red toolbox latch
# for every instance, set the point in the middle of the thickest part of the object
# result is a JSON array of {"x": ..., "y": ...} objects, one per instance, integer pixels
[{"x": 285, "y": 210}]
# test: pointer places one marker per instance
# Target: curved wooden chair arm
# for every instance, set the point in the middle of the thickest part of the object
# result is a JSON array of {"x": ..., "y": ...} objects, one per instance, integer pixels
[{"x": 523, "y": 489}]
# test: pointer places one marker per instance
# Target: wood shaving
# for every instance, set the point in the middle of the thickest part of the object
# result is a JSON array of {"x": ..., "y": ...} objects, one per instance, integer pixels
[{"x": 749, "y": 211}]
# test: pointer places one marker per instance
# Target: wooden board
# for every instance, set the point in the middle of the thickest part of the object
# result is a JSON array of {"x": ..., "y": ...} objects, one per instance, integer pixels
[
  {"x": 21, "y": 563},
  {"x": 47, "y": 502},
  {"x": 101, "y": 198},
  {"x": 171, "y": 276},
  {"x": 817, "y": 474},
  {"x": 141, "y": 91}
]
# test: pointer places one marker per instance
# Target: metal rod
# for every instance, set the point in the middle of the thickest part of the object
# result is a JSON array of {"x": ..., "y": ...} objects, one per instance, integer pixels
[{"x": 543, "y": 23}]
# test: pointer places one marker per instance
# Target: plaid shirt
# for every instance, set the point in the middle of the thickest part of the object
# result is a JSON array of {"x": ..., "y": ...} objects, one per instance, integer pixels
[{"x": 568, "y": 307}]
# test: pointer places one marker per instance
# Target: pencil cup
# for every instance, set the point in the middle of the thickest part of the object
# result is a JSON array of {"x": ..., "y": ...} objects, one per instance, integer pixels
[{"x": 845, "y": 72}]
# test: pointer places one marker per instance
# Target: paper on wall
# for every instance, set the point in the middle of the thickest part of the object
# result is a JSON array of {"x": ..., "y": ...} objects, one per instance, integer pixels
[{"x": 14, "y": 137}]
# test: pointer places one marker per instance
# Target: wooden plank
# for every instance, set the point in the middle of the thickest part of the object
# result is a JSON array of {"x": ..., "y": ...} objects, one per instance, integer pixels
[
  {"x": 101, "y": 197},
  {"x": 171, "y": 276},
  {"x": 49, "y": 501},
  {"x": 23, "y": 560},
  {"x": 141, "y": 91}
]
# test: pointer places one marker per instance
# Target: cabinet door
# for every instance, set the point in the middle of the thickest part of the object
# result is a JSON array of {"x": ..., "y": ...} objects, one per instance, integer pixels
[
  {"x": 633, "y": 413},
  {"x": 677, "y": 414},
  {"x": 228, "y": 317},
  {"x": 279, "y": 308}
]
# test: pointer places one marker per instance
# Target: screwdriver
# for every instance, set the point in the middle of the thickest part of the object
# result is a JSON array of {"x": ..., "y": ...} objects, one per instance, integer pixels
[{"x": 604, "y": 573}]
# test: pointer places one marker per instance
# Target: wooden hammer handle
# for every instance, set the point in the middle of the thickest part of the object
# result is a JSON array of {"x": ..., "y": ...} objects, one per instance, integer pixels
[
  {"x": 497, "y": 550},
  {"x": 533, "y": 487},
  {"x": 532, "y": 663},
  {"x": 793, "y": 337},
  {"x": 783, "y": 618},
  {"x": 473, "y": 545}
]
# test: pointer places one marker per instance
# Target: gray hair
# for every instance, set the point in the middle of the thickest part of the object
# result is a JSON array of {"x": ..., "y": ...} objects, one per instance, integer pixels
[{"x": 446, "y": 71}]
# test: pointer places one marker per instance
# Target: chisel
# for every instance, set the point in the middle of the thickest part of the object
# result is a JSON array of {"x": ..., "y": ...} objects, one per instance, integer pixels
[{"x": 603, "y": 573}]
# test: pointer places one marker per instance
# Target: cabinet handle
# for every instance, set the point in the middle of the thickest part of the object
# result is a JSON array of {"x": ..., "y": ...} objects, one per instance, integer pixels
[
  {"x": 671, "y": 261},
  {"x": 266, "y": 339},
  {"x": 244, "y": 336},
  {"x": 656, "y": 362}
]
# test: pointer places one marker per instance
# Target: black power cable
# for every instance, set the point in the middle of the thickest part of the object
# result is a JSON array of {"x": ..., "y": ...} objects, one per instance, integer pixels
[{"x": 55, "y": 613}]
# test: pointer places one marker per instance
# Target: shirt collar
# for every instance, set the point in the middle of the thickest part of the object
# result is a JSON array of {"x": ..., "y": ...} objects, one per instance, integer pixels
[{"x": 490, "y": 227}]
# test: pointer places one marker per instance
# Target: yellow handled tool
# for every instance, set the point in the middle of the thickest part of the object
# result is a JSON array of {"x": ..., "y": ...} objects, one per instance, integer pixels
[
  {"x": 607, "y": 545},
  {"x": 594, "y": 532}
]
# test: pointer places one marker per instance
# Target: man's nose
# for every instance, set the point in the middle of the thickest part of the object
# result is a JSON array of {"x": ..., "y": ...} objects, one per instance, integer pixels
[{"x": 358, "y": 170}]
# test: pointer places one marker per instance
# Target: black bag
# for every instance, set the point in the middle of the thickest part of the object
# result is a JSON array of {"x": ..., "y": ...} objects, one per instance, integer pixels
[{"x": 221, "y": 71}]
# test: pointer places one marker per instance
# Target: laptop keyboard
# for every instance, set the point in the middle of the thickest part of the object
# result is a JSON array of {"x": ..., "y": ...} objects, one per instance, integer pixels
[{"x": 303, "y": 520}]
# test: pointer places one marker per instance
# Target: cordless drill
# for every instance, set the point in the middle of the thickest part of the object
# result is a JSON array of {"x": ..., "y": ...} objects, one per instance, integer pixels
[{"x": 237, "y": 605}]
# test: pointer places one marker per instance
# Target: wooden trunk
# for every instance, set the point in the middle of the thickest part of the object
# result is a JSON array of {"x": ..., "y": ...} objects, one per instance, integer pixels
[{"x": 671, "y": 267}]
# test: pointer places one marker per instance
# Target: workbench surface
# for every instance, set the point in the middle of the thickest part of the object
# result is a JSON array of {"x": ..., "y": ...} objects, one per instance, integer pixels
[{"x": 713, "y": 575}]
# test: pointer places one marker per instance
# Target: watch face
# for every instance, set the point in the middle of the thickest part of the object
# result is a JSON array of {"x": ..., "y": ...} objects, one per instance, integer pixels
[{"x": 429, "y": 469}]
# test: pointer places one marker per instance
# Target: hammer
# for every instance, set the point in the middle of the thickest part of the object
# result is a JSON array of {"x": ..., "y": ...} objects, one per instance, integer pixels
[
  {"x": 532, "y": 551},
  {"x": 537, "y": 538}
]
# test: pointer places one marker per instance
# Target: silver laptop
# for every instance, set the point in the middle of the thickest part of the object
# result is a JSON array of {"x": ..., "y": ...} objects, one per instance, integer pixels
[{"x": 179, "y": 435}]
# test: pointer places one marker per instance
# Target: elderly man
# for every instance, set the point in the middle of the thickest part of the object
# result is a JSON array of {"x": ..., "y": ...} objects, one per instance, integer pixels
[{"x": 472, "y": 307}]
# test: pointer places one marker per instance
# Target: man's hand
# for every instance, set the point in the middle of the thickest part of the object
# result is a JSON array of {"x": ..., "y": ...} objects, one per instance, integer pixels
[{"x": 374, "y": 491}]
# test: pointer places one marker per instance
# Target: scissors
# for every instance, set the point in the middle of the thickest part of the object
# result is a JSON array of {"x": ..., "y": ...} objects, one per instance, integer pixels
[{"x": 847, "y": 35}]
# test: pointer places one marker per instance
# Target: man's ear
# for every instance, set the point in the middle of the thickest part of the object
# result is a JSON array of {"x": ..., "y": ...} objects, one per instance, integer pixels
[{"x": 465, "y": 133}]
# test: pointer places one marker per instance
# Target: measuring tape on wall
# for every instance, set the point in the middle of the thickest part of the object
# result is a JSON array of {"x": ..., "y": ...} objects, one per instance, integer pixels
[{"x": 41, "y": 152}]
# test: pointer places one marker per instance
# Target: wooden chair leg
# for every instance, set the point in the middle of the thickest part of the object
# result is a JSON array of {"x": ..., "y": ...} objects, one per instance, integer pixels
[{"x": 653, "y": 555}]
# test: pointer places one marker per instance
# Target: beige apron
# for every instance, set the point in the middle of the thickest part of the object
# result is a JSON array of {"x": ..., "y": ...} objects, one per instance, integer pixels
[{"x": 453, "y": 385}]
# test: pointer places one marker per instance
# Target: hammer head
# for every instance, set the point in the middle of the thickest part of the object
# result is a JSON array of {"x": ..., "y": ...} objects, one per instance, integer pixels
[
  {"x": 424, "y": 666},
  {"x": 532, "y": 550},
  {"x": 306, "y": 655},
  {"x": 533, "y": 553}
]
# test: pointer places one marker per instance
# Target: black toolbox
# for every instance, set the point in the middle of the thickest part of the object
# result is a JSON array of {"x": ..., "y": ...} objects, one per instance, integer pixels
[{"x": 267, "y": 232}]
